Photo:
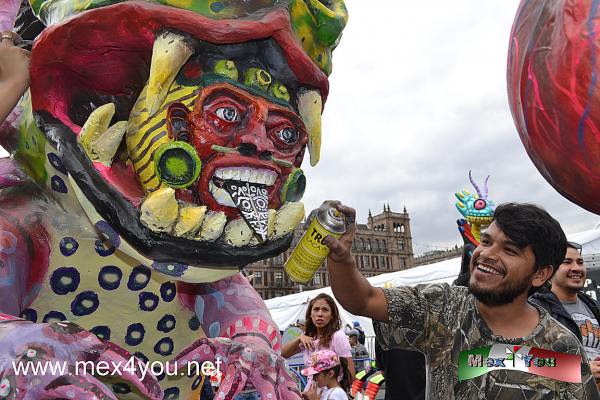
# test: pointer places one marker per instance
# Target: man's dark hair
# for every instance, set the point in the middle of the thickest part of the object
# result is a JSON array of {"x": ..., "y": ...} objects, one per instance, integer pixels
[{"x": 528, "y": 224}]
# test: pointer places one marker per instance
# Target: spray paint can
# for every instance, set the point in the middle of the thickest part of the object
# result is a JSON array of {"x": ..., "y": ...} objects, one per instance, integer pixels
[{"x": 310, "y": 252}]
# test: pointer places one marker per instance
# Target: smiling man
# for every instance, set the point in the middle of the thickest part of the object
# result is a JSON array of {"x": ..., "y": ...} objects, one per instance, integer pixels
[
  {"x": 573, "y": 308},
  {"x": 518, "y": 254}
]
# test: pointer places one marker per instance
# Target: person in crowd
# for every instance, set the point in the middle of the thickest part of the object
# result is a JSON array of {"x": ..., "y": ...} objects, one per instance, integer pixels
[
  {"x": 323, "y": 331},
  {"x": 361, "y": 332},
  {"x": 14, "y": 72},
  {"x": 566, "y": 302},
  {"x": 518, "y": 253},
  {"x": 358, "y": 350},
  {"x": 404, "y": 372},
  {"x": 331, "y": 377}
]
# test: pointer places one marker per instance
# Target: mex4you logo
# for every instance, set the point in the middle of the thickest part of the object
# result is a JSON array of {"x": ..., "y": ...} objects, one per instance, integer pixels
[{"x": 550, "y": 364}]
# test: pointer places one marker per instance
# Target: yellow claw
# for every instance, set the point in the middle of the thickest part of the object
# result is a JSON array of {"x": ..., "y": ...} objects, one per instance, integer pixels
[
  {"x": 169, "y": 54},
  {"x": 96, "y": 124},
  {"x": 310, "y": 106},
  {"x": 190, "y": 221},
  {"x": 160, "y": 210},
  {"x": 104, "y": 148},
  {"x": 238, "y": 233},
  {"x": 287, "y": 219},
  {"x": 212, "y": 226}
]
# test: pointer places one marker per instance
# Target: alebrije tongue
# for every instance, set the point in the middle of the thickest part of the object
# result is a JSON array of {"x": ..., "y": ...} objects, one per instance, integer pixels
[{"x": 253, "y": 202}]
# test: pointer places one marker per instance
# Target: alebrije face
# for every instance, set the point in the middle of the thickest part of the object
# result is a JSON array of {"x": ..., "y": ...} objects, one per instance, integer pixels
[
  {"x": 185, "y": 133},
  {"x": 259, "y": 144}
]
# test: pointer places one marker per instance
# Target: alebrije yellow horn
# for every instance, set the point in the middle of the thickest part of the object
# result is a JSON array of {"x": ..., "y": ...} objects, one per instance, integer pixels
[{"x": 310, "y": 106}]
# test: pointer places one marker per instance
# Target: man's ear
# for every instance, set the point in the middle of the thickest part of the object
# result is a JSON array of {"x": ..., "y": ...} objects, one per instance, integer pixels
[{"x": 542, "y": 275}]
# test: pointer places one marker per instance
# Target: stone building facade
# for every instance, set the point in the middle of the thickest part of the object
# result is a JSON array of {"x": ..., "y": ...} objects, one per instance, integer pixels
[{"x": 383, "y": 244}]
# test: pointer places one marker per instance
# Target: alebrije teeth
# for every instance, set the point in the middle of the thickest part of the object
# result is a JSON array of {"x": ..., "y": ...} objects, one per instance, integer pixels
[
  {"x": 160, "y": 210},
  {"x": 96, "y": 124},
  {"x": 287, "y": 219},
  {"x": 238, "y": 233},
  {"x": 212, "y": 226},
  {"x": 190, "y": 221},
  {"x": 105, "y": 147},
  {"x": 169, "y": 54}
]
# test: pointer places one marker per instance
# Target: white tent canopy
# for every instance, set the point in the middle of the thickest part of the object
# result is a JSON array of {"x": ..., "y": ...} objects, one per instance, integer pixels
[
  {"x": 589, "y": 239},
  {"x": 285, "y": 310}
]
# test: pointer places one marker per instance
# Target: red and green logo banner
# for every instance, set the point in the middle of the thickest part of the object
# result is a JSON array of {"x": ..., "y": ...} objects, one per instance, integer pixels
[{"x": 550, "y": 364}]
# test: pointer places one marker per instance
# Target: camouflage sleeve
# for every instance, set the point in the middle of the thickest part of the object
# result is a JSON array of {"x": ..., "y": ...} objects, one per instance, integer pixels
[
  {"x": 589, "y": 383},
  {"x": 414, "y": 315},
  {"x": 587, "y": 390}
]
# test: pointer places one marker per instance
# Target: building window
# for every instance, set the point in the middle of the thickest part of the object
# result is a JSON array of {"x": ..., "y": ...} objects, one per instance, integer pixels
[
  {"x": 258, "y": 278},
  {"x": 367, "y": 264},
  {"x": 402, "y": 263},
  {"x": 369, "y": 245},
  {"x": 376, "y": 262},
  {"x": 400, "y": 244},
  {"x": 317, "y": 279},
  {"x": 384, "y": 246},
  {"x": 278, "y": 278},
  {"x": 362, "y": 244}
]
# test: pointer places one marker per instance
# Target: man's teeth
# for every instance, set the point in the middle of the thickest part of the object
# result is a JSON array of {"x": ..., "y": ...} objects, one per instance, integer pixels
[
  {"x": 575, "y": 276},
  {"x": 488, "y": 270},
  {"x": 169, "y": 54},
  {"x": 245, "y": 174}
]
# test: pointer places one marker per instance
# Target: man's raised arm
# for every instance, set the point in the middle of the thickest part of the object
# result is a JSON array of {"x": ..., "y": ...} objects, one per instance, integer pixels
[{"x": 350, "y": 288}]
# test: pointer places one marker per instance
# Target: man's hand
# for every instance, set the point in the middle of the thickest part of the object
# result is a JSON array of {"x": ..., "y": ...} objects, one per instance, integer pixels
[
  {"x": 14, "y": 61},
  {"x": 350, "y": 288},
  {"x": 340, "y": 248},
  {"x": 14, "y": 72}
]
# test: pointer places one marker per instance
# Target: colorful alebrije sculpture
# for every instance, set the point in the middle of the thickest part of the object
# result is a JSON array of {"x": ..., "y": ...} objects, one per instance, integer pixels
[
  {"x": 478, "y": 212},
  {"x": 477, "y": 209},
  {"x": 553, "y": 93},
  {"x": 158, "y": 152}
]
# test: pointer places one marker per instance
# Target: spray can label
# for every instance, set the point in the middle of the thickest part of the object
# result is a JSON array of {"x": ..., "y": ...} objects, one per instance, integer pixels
[{"x": 309, "y": 254}]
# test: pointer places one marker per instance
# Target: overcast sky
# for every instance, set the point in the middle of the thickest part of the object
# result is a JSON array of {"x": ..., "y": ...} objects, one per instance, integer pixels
[{"x": 418, "y": 97}]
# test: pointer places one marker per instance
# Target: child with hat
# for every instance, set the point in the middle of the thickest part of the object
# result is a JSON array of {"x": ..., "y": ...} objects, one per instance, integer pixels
[{"x": 331, "y": 378}]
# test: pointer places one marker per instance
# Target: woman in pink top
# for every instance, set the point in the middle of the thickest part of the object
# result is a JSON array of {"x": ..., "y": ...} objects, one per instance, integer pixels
[{"x": 323, "y": 332}]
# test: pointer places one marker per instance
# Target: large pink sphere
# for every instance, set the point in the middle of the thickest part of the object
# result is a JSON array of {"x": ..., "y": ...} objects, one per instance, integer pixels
[{"x": 554, "y": 93}]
